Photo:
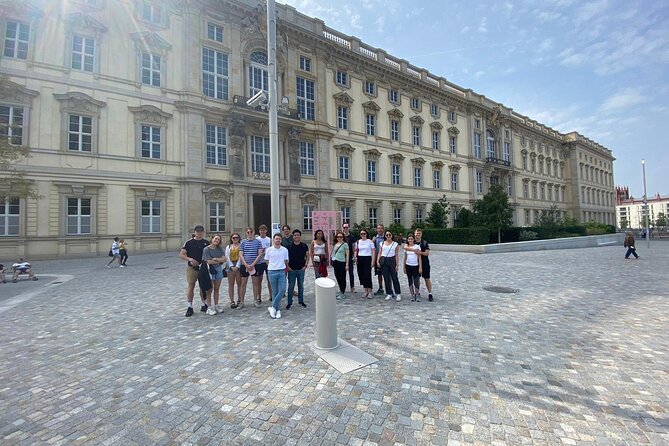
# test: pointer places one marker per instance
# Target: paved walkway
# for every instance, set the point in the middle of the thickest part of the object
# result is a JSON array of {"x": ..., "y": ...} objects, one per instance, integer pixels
[{"x": 579, "y": 356}]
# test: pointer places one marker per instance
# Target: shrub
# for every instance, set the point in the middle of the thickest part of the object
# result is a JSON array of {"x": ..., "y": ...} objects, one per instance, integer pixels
[
  {"x": 527, "y": 235},
  {"x": 457, "y": 236}
]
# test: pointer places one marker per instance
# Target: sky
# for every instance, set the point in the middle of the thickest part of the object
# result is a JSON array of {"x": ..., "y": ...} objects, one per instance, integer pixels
[{"x": 600, "y": 67}]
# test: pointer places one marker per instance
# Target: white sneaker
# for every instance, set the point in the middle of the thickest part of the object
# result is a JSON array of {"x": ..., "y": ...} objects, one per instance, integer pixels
[
  {"x": 121, "y": 266},
  {"x": 278, "y": 314},
  {"x": 211, "y": 312},
  {"x": 218, "y": 309},
  {"x": 272, "y": 312},
  {"x": 398, "y": 298},
  {"x": 388, "y": 297}
]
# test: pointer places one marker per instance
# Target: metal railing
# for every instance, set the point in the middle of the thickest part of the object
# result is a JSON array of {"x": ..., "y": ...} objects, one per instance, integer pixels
[{"x": 492, "y": 160}]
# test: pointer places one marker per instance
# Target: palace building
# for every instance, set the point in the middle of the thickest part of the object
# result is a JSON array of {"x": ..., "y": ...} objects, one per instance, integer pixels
[{"x": 136, "y": 119}]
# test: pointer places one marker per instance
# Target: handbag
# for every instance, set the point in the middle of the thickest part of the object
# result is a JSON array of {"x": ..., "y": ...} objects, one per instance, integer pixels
[
  {"x": 111, "y": 254},
  {"x": 323, "y": 269},
  {"x": 212, "y": 269}
]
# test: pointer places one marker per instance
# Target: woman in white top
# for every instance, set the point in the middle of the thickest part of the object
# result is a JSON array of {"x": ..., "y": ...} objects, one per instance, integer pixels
[
  {"x": 277, "y": 265},
  {"x": 388, "y": 260},
  {"x": 365, "y": 253},
  {"x": 318, "y": 251},
  {"x": 413, "y": 267}
]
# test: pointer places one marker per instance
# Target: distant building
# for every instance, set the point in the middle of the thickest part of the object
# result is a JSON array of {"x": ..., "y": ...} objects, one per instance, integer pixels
[
  {"x": 136, "y": 118},
  {"x": 630, "y": 210}
]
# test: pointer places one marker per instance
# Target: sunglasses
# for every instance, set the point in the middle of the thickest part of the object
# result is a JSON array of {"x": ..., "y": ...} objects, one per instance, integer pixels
[
  {"x": 340, "y": 236},
  {"x": 345, "y": 227},
  {"x": 235, "y": 238},
  {"x": 363, "y": 233},
  {"x": 389, "y": 235}
]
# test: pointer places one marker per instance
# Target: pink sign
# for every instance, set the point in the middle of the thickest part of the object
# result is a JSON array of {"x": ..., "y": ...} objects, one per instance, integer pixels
[{"x": 327, "y": 221}]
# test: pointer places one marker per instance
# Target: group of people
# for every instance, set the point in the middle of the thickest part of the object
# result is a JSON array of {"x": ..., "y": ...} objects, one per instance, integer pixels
[
  {"x": 21, "y": 266},
  {"x": 284, "y": 259},
  {"x": 118, "y": 252}
]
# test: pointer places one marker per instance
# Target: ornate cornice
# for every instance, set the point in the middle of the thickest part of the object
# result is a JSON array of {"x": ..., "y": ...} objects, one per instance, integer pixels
[
  {"x": 80, "y": 21},
  {"x": 437, "y": 164},
  {"x": 13, "y": 92},
  {"x": 150, "y": 41},
  {"x": 453, "y": 130},
  {"x": 436, "y": 125},
  {"x": 417, "y": 120},
  {"x": 345, "y": 148},
  {"x": 398, "y": 157},
  {"x": 396, "y": 113},
  {"x": 418, "y": 161},
  {"x": 373, "y": 154},
  {"x": 150, "y": 114},
  {"x": 79, "y": 102},
  {"x": 343, "y": 98},
  {"x": 371, "y": 106}
]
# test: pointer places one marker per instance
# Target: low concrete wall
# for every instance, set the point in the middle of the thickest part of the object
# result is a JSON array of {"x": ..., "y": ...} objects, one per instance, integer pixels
[{"x": 590, "y": 241}]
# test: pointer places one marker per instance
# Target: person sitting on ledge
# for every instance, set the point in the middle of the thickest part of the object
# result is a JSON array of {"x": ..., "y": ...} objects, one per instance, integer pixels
[{"x": 22, "y": 267}]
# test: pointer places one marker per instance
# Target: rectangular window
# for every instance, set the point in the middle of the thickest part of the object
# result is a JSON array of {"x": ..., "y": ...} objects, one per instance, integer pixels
[
  {"x": 306, "y": 98},
  {"x": 11, "y": 124},
  {"x": 78, "y": 216},
  {"x": 479, "y": 182},
  {"x": 342, "y": 117},
  {"x": 217, "y": 145},
  {"x": 342, "y": 78},
  {"x": 548, "y": 168},
  {"x": 370, "y": 124},
  {"x": 344, "y": 162},
  {"x": 507, "y": 152},
  {"x": 394, "y": 130},
  {"x": 307, "y": 160},
  {"x": 436, "y": 140},
  {"x": 533, "y": 162},
  {"x": 394, "y": 96},
  {"x": 17, "y": 35},
  {"x": 417, "y": 177},
  {"x": 216, "y": 217},
  {"x": 371, "y": 171},
  {"x": 477, "y": 145},
  {"x": 150, "y": 142},
  {"x": 526, "y": 190},
  {"x": 527, "y": 217},
  {"x": 305, "y": 63},
  {"x": 152, "y": 13},
  {"x": 419, "y": 215},
  {"x": 214, "y": 74},
  {"x": 543, "y": 192},
  {"x": 534, "y": 191},
  {"x": 307, "y": 221},
  {"x": 151, "y": 69},
  {"x": 9, "y": 216},
  {"x": 397, "y": 216},
  {"x": 452, "y": 116},
  {"x": 550, "y": 193},
  {"x": 415, "y": 135},
  {"x": 454, "y": 181},
  {"x": 395, "y": 174},
  {"x": 258, "y": 79},
  {"x": 345, "y": 214},
  {"x": 259, "y": 154},
  {"x": 436, "y": 179},
  {"x": 507, "y": 134},
  {"x": 150, "y": 219},
  {"x": 80, "y": 133},
  {"x": 83, "y": 53},
  {"x": 454, "y": 144},
  {"x": 524, "y": 162},
  {"x": 215, "y": 32},
  {"x": 372, "y": 213},
  {"x": 434, "y": 110},
  {"x": 415, "y": 103},
  {"x": 370, "y": 88},
  {"x": 477, "y": 124},
  {"x": 509, "y": 186}
]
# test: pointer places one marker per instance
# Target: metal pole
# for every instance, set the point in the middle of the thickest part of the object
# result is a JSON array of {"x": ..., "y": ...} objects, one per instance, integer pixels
[
  {"x": 273, "y": 119},
  {"x": 645, "y": 203},
  {"x": 326, "y": 314}
]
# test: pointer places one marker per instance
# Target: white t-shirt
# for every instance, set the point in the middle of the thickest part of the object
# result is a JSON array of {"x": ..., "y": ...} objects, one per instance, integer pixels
[
  {"x": 114, "y": 248},
  {"x": 276, "y": 258},
  {"x": 266, "y": 243},
  {"x": 412, "y": 256},
  {"x": 365, "y": 248}
]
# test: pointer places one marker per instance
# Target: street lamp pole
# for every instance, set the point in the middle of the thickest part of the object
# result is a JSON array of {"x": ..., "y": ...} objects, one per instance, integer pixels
[
  {"x": 273, "y": 119},
  {"x": 645, "y": 202}
]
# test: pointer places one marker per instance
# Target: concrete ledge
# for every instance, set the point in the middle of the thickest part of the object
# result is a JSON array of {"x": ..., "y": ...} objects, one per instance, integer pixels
[{"x": 589, "y": 241}]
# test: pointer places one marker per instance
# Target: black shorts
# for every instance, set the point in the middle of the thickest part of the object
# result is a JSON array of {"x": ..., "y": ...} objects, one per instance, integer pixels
[
  {"x": 261, "y": 268},
  {"x": 426, "y": 271},
  {"x": 242, "y": 271}
]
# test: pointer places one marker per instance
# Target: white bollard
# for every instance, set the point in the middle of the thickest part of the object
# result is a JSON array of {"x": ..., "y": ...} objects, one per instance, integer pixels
[{"x": 326, "y": 314}]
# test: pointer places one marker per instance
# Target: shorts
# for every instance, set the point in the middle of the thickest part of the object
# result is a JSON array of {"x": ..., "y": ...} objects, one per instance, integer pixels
[
  {"x": 426, "y": 271},
  {"x": 191, "y": 275},
  {"x": 218, "y": 275},
  {"x": 261, "y": 268},
  {"x": 244, "y": 273}
]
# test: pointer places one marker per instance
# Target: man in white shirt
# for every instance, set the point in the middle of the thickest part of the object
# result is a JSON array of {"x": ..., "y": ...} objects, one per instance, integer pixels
[{"x": 277, "y": 259}]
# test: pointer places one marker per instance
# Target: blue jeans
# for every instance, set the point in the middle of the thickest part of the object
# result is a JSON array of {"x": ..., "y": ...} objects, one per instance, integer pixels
[
  {"x": 277, "y": 278},
  {"x": 292, "y": 276}
]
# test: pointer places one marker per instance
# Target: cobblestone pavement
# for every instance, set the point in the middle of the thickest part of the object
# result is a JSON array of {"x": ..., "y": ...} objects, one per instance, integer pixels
[{"x": 578, "y": 356}]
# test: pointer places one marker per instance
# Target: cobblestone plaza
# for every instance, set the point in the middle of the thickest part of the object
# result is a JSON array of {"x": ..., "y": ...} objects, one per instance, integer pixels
[{"x": 577, "y": 356}]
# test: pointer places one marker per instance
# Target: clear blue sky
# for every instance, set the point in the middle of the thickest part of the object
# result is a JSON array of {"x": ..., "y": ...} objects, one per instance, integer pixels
[{"x": 597, "y": 67}]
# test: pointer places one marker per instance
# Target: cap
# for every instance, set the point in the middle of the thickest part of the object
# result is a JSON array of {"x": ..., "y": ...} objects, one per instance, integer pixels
[{"x": 198, "y": 228}]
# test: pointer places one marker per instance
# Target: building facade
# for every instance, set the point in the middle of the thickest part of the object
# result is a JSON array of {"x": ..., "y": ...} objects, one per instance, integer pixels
[
  {"x": 135, "y": 116},
  {"x": 630, "y": 211}
]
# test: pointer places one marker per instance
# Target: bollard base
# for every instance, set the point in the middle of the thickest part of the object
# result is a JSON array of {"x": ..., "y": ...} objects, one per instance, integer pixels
[{"x": 345, "y": 358}]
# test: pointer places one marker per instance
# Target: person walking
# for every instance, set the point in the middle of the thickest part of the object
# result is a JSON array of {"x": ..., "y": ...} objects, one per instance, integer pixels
[
  {"x": 115, "y": 254},
  {"x": 214, "y": 258},
  {"x": 277, "y": 263},
  {"x": 298, "y": 260},
  {"x": 340, "y": 262},
  {"x": 365, "y": 255},
  {"x": 413, "y": 267},
  {"x": 388, "y": 260},
  {"x": 629, "y": 244},
  {"x": 378, "y": 240},
  {"x": 261, "y": 267},
  {"x": 350, "y": 239},
  {"x": 318, "y": 252},
  {"x": 123, "y": 252},
  {"x": 425, "y": 257},
  {"x": 191, "y": 252},
  {"x": 233, "y": 264},
  {"x": 252, "y": 252}
]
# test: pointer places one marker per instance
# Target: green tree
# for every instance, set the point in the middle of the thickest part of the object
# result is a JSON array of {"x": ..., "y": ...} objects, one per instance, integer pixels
[
  {"x": 493, "y": 211},
  {"x": 661, "y": 220},
  {"x": 624, "y": 224},
  {"x": 438, "y": 215},
  {"x": 465, "y": 219},
  {"x": 550, "y": 219}
]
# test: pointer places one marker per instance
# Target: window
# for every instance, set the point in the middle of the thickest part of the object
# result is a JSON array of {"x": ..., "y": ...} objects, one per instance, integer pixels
[
  {"x": 371, "y": 171},
  {"x": 215, "y": 32},
  {"x": 534, "y": 191},
  {"x": 415, "y": 103},
  {"x": 151, "y": 69},
  {"x": 526, "y": 190},
  {"x": 83, "y": 53},
  {"x": 543, "y": 192},
  {"x": 419, "y": 215},
  {"x": 491, "y": 144},
  {"x": 9, "y": 216},
  {"x": 217, "y": 145},
  {"x": 11, "y": 124},
  {"x": 436, "y": 140},
  {"x": 524, "y": 162},
  {"x": 214, "y": 74},
  {"x": 452, "y": 117},
  {"x": 150, "y": 217},
  {"x": 305, "y": 63},
  {"x": 477, "y": 145},
  {"x": 341, "y": 78},
  {"x": 394, "y": 96},
  {"x": 344, "y": 162},
  {"x": 306, "y": 98},
  {"x": 454, "y": 181},
  {"x": 395, "y": 174},
  {"x": 397, "y": 216},
  {"x": 533, "y": 163},
  {"x": 370, "y": 124},
  {"x": 258, "y": 74},
  {"x": 550, "y": 193},
  {"x": 415, "y": 134},
  {"x": 479, "y": 182},
  {"x": 216, "y": 217},
  {"x": 494, "y": 180},
  {"x": 417, "y": 177},
  {"x": 454, "y": 144},
  {"x": 78, "y": 216},
  {"x": 307, "y": 221},
  {"x": 372, "y": 214},
  {"x": 507, "y": 152},
  {"x": 522, "y": 141},
  {"x": 541, "y": 166},
  {"x": 150, "y": 142},
  {"x": 477, "y": 124},
  {"x": 17, "y": 35},
  {"x": 434, "y": 110},
  {"x": 80, "y": 133},
  {"x": 436, "y": 179},
  {"x": 548, "y": 168},
  {"x": 152, "y": 13},
  {"x": 342, "y": 117},
  {"x": 509, "y": 186},
  {"x": 507, "y": 134},
  {"x": 370, "y": 88},
  {"x": 527, "y": 217},
  {"x": 307, "y": 160},
  {"x": 259, "y": 154},
  {"x": 394, "y": 130},
  {"x": 345, "y": 214}
]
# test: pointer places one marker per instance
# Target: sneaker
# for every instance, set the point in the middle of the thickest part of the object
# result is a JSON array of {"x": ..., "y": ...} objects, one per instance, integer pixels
[
  {"x": 108, "y": 266},
  {"x": 233, "y": 305},
  {"x": 189, "y": 312},
  {"x": 121, "y": 266},
  {"x": 35, "y": 278},
  {"x": 240, "y": 305},
  {"x": 272, "y": 312},
  {"x": 204, "y": 308},
  {"x": 303, "y": 305},
  {"x": 211, "y": 311},
  {"x": 353, "y": 290},
  {"x": 398, "y": 298},
  {"x": 429, "y": 297},
  {"x": 256, "y": 303},
  {"x": 371, "y": 296},
  {"x": 379, "y": 292},
  {"x": 278, "y": 314},
  {"x": 218, "y": 309},
  {"x": 413, "y": 298},
  {"x": 288, "y": 306},
  {"x": 417, "y": 297},
  {"x": 13, "y": 280},
  {"x": 338, "y": 296},
  {"x": 388, "y": 297}
]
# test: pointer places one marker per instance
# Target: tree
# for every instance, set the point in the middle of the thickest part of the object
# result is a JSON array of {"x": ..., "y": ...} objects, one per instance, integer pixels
[
  {"x": 550, "y": 219},
  {"x": 493, "y": 211},
  {"x": 465, "y": 218},
  {"x": 661, "y": 220},
  {"x": 438, "y": 215},
  {"x": 624, "y": 224}
]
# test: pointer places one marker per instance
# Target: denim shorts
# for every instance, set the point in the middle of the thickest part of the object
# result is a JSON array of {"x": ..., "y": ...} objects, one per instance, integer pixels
[{"x": 219, "y": 273}]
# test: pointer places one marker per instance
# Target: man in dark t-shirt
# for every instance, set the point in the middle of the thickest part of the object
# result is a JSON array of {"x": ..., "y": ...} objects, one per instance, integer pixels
[
  {"x": 298, "y": 259},
  {"x": 191, "y": 252},
  {"x": 425, "y": 254},
  {"x": 350, "y": 240}
]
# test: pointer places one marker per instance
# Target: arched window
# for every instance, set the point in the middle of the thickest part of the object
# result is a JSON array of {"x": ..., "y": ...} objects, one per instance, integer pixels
[
  {"x": 491, "y": 144},
  {"x": 258, "y": 74}
]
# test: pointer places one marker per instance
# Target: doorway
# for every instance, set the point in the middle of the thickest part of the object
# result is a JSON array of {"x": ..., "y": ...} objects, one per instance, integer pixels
[{"x": 262, "y": 210}]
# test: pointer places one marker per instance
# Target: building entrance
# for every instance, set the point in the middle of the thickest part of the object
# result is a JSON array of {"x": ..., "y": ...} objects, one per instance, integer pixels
[{"x": 262, "y": 209}]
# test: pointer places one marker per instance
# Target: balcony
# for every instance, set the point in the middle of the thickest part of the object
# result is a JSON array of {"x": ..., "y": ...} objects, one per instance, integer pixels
[
  {"x": 499, "y": 161},
  {"x": 283, "y": 111}
]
